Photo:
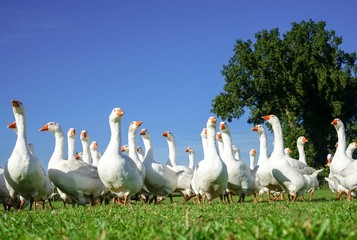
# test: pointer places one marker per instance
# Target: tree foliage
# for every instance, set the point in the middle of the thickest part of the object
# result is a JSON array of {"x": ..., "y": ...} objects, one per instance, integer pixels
[{"x": 303, "y": 77}]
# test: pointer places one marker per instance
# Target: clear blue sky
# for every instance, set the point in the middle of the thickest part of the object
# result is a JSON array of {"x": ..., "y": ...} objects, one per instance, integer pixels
[{"x": 74, "y": 61}]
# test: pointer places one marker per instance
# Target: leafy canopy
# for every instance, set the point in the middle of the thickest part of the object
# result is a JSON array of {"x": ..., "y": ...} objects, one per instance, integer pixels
[{"x": 303, "y": 77}]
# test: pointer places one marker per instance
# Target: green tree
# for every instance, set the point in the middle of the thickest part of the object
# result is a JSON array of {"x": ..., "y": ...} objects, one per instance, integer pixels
[{"x": 303, "y": 77}]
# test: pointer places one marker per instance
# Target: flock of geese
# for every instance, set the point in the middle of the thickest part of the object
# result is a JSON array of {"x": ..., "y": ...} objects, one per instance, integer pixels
[{"x": 123, "y": 172}]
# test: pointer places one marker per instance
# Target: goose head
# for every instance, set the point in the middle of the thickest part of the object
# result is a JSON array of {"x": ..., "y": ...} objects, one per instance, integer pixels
[
  {"x": 71, "y": 133},
  {"x": 211, "y": 122},
  {"x": 84, "y": 136},
  {"x": 125, "y": 148},
  {"x": 223, "y": 127},
  {"x": 145, "y": 133},
  {"x": 51, "y": 127},
  {"x": 302, "y": 140},
  {"x": 168, "y": 135},
  {"x": 189, "y": 149},
  {"x": 134, "y": 126},
  {"x": 116, "y": 115},
  {"x": 271, "y": 118},
  {"x": 17, "y": 106},
  {"x": 94, "y": 145}
]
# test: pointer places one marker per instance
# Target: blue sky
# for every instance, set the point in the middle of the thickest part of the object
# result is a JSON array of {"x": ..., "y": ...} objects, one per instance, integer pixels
[{"x": 160, "y": 61}]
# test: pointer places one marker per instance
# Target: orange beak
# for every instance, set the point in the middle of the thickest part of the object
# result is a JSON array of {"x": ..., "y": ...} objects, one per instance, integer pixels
[
  {"x": 142, "y": 132},
  {"x": 222, "y": 125},
  {"x": 255, "y": 128},
  {"x": 123, "y": 149},
  {"x": 120, "y": 112},
  {"x": 138, "y": 123},
  {"x": 334, "y": 122},
  {"x": 213, "y": 120},
  {"x": 84, "y": 133},
  {"x": 44, "y": 128},
  {"x": 266, "y": 117},
  {"x": 12, "y": 125},
  {"x": 218, "y": 136},
  {"x": 165, "y": 134},
  {"x": 72, "y": 131},
  {"x": 304, "y": 140},
  {"x": 187, "y": 149}
]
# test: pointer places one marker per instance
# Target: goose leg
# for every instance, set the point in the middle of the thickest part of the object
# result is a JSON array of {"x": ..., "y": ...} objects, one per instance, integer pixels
[
  {"x": 295, "y": 197},
  {"x": 349, "y": 195}
]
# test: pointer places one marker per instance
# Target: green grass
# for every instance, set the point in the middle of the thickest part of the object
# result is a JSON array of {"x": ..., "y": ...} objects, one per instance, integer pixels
[{"x": 323, "y": 218}]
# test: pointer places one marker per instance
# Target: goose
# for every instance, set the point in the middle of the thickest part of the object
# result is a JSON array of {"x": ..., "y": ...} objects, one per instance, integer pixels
[
  {"x": 252, "y": 159},
  {"x": 71, "y": 140},
  {"x": 117, "y": 171},
  {"x": 191, "y": 157},
  {"x": 300, "y": 146},
  {"x": 23, "y": 170},
  {"x": 86, "y": 155},
  {"x": 160, "y": 179},
  {"x": 292, "y": 180},
  {"x": 93, "y": 147},
  {"x": 125, "y": 149},
  {"x": 266, "y": 181},
  {"x": 186, "y": 173},
  {"x": 241, "y": 182},
  {"x": 132, "y": 131},
  {"x": 77, "y": 179},
  {"x": 340, "y": 159},
  {"x": 350, "y": 149},
  {"x": 204, "y": 148},
  {"x": 210, "y": 177}
]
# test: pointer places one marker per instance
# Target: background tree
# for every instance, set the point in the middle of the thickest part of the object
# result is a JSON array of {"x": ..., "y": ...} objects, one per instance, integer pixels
[{"x": 303, "y": 77}]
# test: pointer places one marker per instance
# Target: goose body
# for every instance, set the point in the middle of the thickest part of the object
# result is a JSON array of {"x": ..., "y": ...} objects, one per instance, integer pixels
[
  {"x": 77, "y": 179},
  {"x": 23, "y": 170},
  {"x": 266, "y": 181},
  {"x": 210, "y": 177},
  {"x": 117, "y": 171},
  {"x": 160, "y": 179},
  {"x": 289, "y": 177},
  {"x": 185, "y": 172}
]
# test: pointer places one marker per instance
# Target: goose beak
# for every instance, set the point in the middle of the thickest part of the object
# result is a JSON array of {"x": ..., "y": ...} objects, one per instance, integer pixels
[
  {"x": 15, "y": 103},
  {"x": 334, "y": 122},
  {"x": 138, "y": 123},
  {"x": 255, "y": 128},
  {"x": 44, "y": 128},
  {"x": 12, "y": 125},
  {"x": 266, "y": 117}
]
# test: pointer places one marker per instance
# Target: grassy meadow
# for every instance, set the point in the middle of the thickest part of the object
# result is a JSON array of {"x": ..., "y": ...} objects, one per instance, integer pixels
[{"x": 323, "y": 218}]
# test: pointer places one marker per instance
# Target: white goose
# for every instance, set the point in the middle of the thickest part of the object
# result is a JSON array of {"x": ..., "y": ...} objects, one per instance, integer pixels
[
  {"x": 132, "y": 132},
  {"x": 23, "y": 171},
  {"x": 265, "y": 179},
  {"x": 160, "y": 179},
  {"x": 191, "y": 157},
  {"x": 117, "y": 171},
  {"x": 71, "y": 140},
  {"x": 287, "y": 151},
  {"x": 293, "y": 181},
  {"x": 76, "y": 178},
  {"x": 241, "y": 182},
  {"x": 210, "y": 176},
  {"x": 252, "y": 160},
  {"x": 86, "y": 155},
  {"x": 300, "y": 146},
  {"x": 94, "y": 152},
  {"x": 186, "y": 173}
]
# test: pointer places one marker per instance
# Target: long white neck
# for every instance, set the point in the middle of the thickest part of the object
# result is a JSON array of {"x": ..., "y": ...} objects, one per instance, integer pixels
[
  {"x": 341, "y": 139},
  {"x": 350, "y": 149},
  {"x": 87, "y": 157},
  {"x": 204, "y": 146},
  {"x": 227, "y": 149},
  {"x": 191, "y": 157},
  {"x": 220, "y": 147},
  {"x": 212, "y": 151},
  {"x": 149, "y": 153},
  {"x": 71, "y": 148},
  {"x": 172, "y": 152},
  {"x": 251, "y": 162},
  {"x": 95, "y": 156},
  {"x": 115, "y": 138},
  {"x": 58, "y": 152},
  {"x": 132, "y": 146},
  {"x": 263, "y": 149},
  {"x": 21, "y": 141},
  {"x": 278, "y": 140},
  {"x": 302, "y": 157}
]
